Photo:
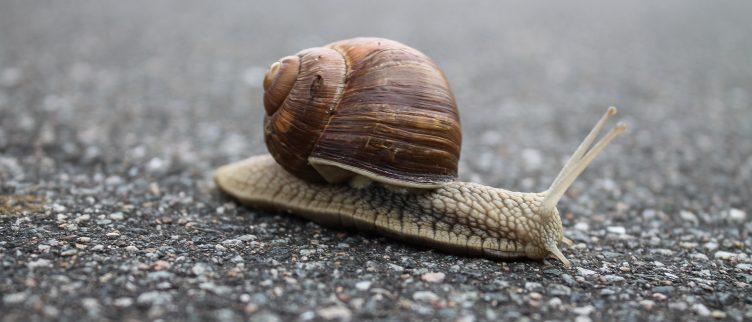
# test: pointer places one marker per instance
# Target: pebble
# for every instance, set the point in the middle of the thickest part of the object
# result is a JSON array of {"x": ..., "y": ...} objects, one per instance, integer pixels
[
  {"x": 584, "y": 310},
  {"x": 91, "y": 305},
  {"x": 131, "y": 248},
  {"x": 15, "y": 298},
  {"x": 699, "y": 256},
  {"x": 433, "y": 277},
  {"x": 744, "y": 267},
  {"x": 568, "y": 279},
  {"x": 737, "y": 215},
  {"x": 123, "y": 302},
  {"x": 613, "y": 279},
  {"x": 214, "y": 288},
  {"x": 533, "y": 286},
  {"x": 335, "y": 313},
  {"x": 246, "y": 237},
  {"x": 711, "y": 246},
  {"x": 426, "y": 296},
  {"x": 232, "y": 242},
  {"x": 117, "y": 216},
  {"x": 663, "y": 289},
  {"x": 619, "y": 230},
  {"x": 725, "y": 255},
  {"x": 585, "y": 272},
  {"x": 559, "y": 290},
  {"x": 396, "y": 268},
  {"x": 647, "y": 304},
  {"x": 718, "y": 314},
  {"x": 678, "y": 306},
  {"x": 688, "y": 216},
  {"x": 363, "y": 285},
  {"x": 701, "y": 309},
  {"x": 39, "y": 263},
  {"x": 156, "y": 298},
  {"x": 199, "y": 269}
]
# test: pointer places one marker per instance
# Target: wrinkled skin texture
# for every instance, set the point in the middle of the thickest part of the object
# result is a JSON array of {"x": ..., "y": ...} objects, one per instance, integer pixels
[{"x": 460, "y": 217}]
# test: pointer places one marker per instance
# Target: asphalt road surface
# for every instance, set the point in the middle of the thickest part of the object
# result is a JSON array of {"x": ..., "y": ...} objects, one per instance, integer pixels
[{"x": 113, "y": 115}]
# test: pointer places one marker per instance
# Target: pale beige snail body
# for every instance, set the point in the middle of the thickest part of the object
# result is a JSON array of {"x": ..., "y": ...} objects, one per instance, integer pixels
[{"x": 364, "y": 134}]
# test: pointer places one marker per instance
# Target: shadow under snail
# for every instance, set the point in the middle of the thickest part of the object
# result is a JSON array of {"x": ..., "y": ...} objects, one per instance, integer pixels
[{"x": 364, "y": 134}]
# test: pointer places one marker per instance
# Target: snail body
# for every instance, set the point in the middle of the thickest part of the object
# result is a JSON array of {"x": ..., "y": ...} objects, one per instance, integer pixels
[{"x": 364, "y": 110}]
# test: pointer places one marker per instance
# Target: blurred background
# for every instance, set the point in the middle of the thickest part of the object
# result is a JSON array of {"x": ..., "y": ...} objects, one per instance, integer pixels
[{"x": 112, "y": 105}]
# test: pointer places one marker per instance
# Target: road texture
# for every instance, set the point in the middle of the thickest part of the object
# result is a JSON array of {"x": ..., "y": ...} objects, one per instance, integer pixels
[{"x": 113, "y": 115}]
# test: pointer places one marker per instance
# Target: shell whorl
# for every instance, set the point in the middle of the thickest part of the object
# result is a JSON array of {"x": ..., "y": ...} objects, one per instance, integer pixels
[
  {"x": 278, "y": 82},
  {"x": 371, "y": 105}
]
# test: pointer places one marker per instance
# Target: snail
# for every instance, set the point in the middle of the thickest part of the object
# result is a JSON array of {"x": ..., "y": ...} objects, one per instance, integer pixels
[{"x": 364, "y": 134}]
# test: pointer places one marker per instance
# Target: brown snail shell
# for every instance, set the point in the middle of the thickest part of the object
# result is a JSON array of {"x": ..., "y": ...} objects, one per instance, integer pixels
[{"x": 362, "y": 106}]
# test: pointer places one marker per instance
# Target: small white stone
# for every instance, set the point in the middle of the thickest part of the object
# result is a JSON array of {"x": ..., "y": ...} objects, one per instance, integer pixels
[
  {"x": 619, "y": 230},
  {"x": 744, "y": 267},
  {"x": 689, "y": 217},
  {"x": 582, "y": 226},
  {"x": 363, "y": 285},
  {"x": 117, "y": 216},
  {"x": 246, "y": 237},
  {"x": 647, "y": 304},
  {"x": 584, "y": 271},
  {"x": 433, "y": 277},
  {"x": 15, "y": 298},
  {"x": 613, "y": 278},
  {"x": 39, "y": 263},
  {"x": 155, "y": 164},
  {"x": 701, "y": 309},
  {"x": 199, "y": 268},
  {"x": 711, "y": 245},
  {"x": 737, "y": 215},
  {"x": 585, "y": 310},
  {"x": 131, "y": 248},
  {"x": 340, "y": 313},
  {"x": 583, "y": 318},
  {"x": 725, "y": 255},
  {"x": 123, "y": 302},
  {"x": 232, "y": 242},
  {"x": 426, "y": 296},
  {"x": 396, "y": 268},
  {"x": 699, "y": 256}
]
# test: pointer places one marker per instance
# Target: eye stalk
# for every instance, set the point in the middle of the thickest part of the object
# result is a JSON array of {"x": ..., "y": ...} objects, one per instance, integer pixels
[
  {"x": 585, "y": 153},
  {"x": 580, "y": 159}
]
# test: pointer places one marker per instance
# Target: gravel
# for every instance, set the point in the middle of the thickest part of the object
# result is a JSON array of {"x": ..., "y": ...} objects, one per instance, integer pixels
[{"x": 114, "y": 114}]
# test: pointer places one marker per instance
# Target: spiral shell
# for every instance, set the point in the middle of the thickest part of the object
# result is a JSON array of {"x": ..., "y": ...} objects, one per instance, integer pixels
[{"x": 363, "y": 106}]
